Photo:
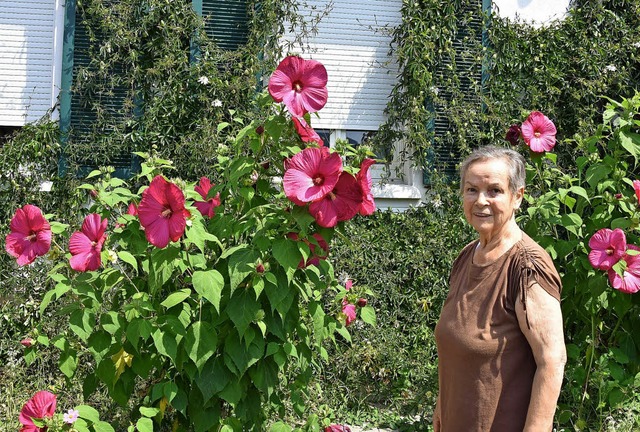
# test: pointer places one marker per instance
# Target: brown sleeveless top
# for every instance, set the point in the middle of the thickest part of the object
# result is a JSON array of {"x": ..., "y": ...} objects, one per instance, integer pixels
[{"x": 485, "y": 364}]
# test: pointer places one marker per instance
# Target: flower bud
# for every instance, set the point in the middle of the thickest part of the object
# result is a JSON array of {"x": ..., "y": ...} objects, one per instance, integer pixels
[
  {"x": 27, "y": 342},
  {"x": 260, "y": 268},
  {"x": 260, "y": 130},
  {"x": 362, "y": 302}
]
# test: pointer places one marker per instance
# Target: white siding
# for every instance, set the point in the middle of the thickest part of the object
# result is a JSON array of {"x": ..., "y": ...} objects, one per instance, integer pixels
[
  {"x": 27, "y": 57},
  {"x": 353, "y": 43}
]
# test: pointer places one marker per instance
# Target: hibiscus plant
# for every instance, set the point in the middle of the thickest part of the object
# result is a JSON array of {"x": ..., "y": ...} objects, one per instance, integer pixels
[{"x": 210, "y": 302}]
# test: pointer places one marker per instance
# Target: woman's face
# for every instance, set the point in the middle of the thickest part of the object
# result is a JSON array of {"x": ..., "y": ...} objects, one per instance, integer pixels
[{"x": 488, "y": 202}]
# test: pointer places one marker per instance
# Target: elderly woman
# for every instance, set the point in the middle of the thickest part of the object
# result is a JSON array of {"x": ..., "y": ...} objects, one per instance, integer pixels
[{"x": 500, "y": 339}]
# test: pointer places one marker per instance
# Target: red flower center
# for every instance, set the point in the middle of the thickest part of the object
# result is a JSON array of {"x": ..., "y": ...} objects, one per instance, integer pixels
[
  {"x": 609, "y": 251},
  {"x": 297, "y": 86},
  {"x": 536, "y": 134},
  {"x": 318, "y": 179},
  {"x": 32, "y": 237},
  {"x": 166, "y": 213}
]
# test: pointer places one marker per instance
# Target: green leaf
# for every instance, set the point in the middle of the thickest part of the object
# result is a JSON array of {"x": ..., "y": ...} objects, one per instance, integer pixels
[
  {"x": 280, "y": 427},
  {"x": 57, "y": 227},
  {"x": 241, "y": 356},
  {"x": 209, "y": 285},
  {"x": 198, "y": 235},
  {"x": 286, "y": 252},
  {"x": 166, "y": 344},
  {"x": 368, "y": 315},
  {"x": 242, "y": 310},
  {"x": 81, "y": 322},
  {"x": 200, "y": 343},
  {"x": 129, "y": 259},
  {"x": 144, "y": 425},
  {"x": 176, "y": 298},
  {"x": 149, "y": 411},
  {"x": 631, "y": 143},
  {"x": 88, "y": 413},
  {"x": 102, "y": 426},
  {"x": 241, "y": 265}
]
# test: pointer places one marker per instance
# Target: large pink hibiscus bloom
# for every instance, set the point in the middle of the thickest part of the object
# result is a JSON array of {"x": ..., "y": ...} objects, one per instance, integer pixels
[
  {"x": 311, "y": 174},
  {"x": 306, "y": 132},
  {"x": 363, "y": 177},
  {"x": 162, "y": 213},
  {"x": 206, "y": 207},
  {"x": 41, "y": 405},
  {"x": 30, "y": 235},
  {"x": 607, "y": 248},
  {"x": 629, "y": 281},
  {"x": 341, "y": 204},
  {"x": 301, "y": 84},
  {"x": 85, "y": 245},
  {"x": 539, "y": 132}
]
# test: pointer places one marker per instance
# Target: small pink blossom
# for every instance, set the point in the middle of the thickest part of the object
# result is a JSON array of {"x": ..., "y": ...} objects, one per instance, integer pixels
[
  {"x": 538, "y": 132},
  {"x": 607, "y": 248},
  {"x": 27, "y": 342},
  {"x": 41, "y": 405},
  {"x": 70, "y": 416},
  {"x": 30, "y": 235},
  {"x": 348, "y": 284},
  {"x": 349, "y": 311},
  {"x": 132, "y": 209},
  {"x": 301, "y": 84},
  {"x": 85, "y": 245},
  {"x": 206, "y": 207}
]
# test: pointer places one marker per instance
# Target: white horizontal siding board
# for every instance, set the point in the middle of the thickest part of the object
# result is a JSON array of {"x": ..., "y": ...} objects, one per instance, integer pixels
[
  {"x": 353, "y": 42},
  {"x": 27, "y": 58}
]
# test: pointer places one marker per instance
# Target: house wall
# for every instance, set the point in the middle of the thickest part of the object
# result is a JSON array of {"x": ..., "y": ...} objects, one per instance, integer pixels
[{"x": 29, "y": 59}]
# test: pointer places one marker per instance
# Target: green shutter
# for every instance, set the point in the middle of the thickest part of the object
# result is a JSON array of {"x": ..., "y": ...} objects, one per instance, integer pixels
[
  {"x": 444, "y": 154},
  {"x": 77, "y": 118},
  {"x": 225, "y": 21}
]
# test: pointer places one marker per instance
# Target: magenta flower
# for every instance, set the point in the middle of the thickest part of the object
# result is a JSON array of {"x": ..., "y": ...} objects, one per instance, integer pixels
[
  {"x": 349, "y": 311},
  {"x": 301, "y": 84},
  {"x": 85, "y": 245},
  {"x": 636, "y": 188},
  {"x": 538, "y": 132},
  {"x": 41, "y": 405},
  {"x": 311, "y": 174},
  {"x": 162, "y": 213},
  {"x": 340, "y": 204},
  {"x": 132, "y": 209},
  {"x": 30, "y": 235},
  {"x": 629, "y": 281},
  {"x": 513, "y": 134},
  {"x": 607, "y": 248},
  {"x": 363, "y": 177},
  {"x": 337, "y": 428},
  {"x": 306, "y": 132},
  {"x": 206, "y": 207}
]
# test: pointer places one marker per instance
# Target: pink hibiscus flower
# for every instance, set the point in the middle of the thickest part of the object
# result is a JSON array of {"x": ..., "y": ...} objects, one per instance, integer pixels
[
  {"x": 85, "y": 245},
  {"x": 636, "y": 188},
  {"x": 311, "y": 174},
  {"x": 349, "y": 311},
  {"x": 301, "y": 84},
  {"x": 340, "y": 204},
  {"x": 132, "y": 209},
  {"x": 363, "y": 177},
  {"x": 607, "y": 248},
  {"x": 538, "y": 132},
  {"x": 162, "y": 213},
  {"x": 30, "y": 235},
  {"x": 306, "y": 132},
  {"x": 41, "y": 405},
  {"x": 206, "y": 207},
  {"x": 337, "y": 428},
  {"x": 629, "y": 281}
]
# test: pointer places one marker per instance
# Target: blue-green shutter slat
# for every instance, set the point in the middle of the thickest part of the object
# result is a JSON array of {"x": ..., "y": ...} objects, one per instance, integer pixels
[{"x": 226, "y": 22}]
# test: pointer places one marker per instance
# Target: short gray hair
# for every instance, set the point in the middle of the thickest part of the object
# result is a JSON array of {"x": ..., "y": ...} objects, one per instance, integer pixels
[{"x": 515, "y": 162}]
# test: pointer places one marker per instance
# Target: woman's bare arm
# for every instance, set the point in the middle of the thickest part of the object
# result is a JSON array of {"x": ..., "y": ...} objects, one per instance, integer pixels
[{"x": 546, "y": 338}]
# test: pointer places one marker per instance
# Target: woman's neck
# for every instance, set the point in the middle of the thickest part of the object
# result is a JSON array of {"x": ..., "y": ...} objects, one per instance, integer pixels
[{"x": 490, "y": 248}]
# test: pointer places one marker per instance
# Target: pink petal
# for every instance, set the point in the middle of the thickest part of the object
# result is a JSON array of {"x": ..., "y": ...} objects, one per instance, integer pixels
[
  {"x": 313, "y": 99},
  {"x": 203, "y": 187},
  {"x": 20, "y": 221},
  {"x": 42, "y": 404},
  {"x": 348, "y": 197},
  {"x": 94, "y": 226},
  {"x": 79, "y": 243},
  {"x": 636, "y": 188},
  {"x": 177, "y": 224},
  {"x": 157, "y": 232},
  {"x": 324, "y": 212}
]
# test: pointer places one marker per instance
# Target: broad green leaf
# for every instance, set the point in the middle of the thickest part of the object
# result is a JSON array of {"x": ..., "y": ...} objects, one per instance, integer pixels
[
  {"x": 102, "y": 426},
  {"x": 241, "y": 356},
  {"x": 198, "y": 235},
  {"x": 200, "y": 342},
  {"x": 241, "y": 265},
  {"x": 166, "y": 344},
  {"x": 209, "y": 284},
  {"x": 57, "y": 227},
  {"x": 99, "y": 344},
  {"x": 280, "y": 427},
  {"x": 213, "y": 378},
  {"x": 368, "y": 315},
  {"x": 111, "y": 322},
  {"x": 242, "y": 310},
  {"x": 176, "y": 298},
  {"x": 631, "y": 142},
  {"x": 286, "y": 252},
  {"x": 88, "y": 413},
  {"x": 129, "y": 259},
  {"x": 149, "y": 411},
  {"x": 81, "y": 322},
  {"x": 144, "y": 425}
]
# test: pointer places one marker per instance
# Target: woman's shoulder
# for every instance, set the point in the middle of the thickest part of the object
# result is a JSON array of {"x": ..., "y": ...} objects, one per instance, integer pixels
[{"x": 535, "y": 264}]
